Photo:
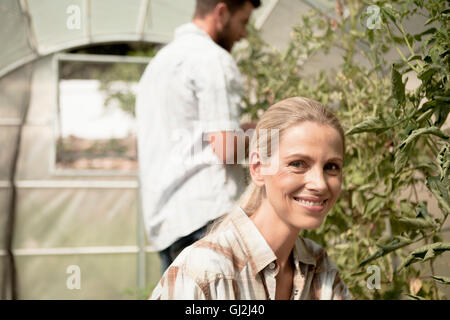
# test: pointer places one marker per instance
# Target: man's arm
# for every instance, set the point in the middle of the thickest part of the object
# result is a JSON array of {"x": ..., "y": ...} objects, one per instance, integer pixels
[{"x": 227, "y": 144}]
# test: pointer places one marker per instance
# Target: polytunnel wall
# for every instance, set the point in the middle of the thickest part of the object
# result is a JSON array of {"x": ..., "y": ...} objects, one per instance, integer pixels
[{"x": 90, "y": 221}]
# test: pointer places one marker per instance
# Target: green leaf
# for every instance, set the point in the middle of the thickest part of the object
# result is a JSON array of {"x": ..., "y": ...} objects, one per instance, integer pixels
[
  {"x": 371, "y": 124},
  {"x": 418, "y": 132},
  {"x": 415, "y": 57},
  {"x": 441, "y": 279},
  {"x": 441, "y": 114},
  {"x": 373, "y": 205},
  {"x": 358, "y": 201},
  {"x": 425, "y": 253},
  {"x": 388, "y": 13},
  {"x": 443, "y": 160},
  {"x": 398, "y": 87},
  {"x": 422, "y": 211},
  {"x": 419, "y": 36},
  {"x": 440, "y": 191},
  {"x": 417, "y": 223},
  {"x": 426, "y": 74},
  {"x": 396, "y": 243},
  {"x": 401, "y": 158},
  {"x": 430, "y": 21}
]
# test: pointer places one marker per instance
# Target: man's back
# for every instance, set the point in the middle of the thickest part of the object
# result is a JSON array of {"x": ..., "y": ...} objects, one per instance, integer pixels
[{"x": 191, "y": 87}]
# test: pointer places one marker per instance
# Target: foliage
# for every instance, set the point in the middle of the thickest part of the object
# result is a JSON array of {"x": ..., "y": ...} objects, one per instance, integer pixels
[
  {"x": 394, "y": 137},
  {"x": 116, "y": 82}
]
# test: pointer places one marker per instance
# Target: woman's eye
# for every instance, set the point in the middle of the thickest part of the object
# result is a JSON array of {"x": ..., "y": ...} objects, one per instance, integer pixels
[
  {"x": 333, "y": 167},
  {"x": 298, "y": 164}
]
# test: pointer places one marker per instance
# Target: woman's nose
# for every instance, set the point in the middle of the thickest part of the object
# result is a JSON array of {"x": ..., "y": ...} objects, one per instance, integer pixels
[{"x": 315, "y": 180}]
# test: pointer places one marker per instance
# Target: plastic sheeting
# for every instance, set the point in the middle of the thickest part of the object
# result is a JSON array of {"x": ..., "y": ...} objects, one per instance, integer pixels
[
  {"x": 88, "y": 220},
  {"x": 103, "y": 276},
  {"x": 14, "y": 38},
  {"x": 106, "y": 276},
  {"x": 49, "y": 218},
  {"x": 34, "y": 28},
  {"x": 5, "y": 196}
]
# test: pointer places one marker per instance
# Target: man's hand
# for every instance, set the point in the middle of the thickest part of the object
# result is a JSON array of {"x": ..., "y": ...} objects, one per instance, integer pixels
[{"x": 226, "y": 144}]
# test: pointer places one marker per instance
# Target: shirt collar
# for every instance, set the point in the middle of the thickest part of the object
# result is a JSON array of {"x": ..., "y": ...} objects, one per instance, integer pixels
[
  {"x": 190, "y": 28},
  {"x": 258, "y": 250}
]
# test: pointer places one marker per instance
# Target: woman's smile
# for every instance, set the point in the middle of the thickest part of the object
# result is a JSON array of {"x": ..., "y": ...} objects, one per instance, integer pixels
[{"x": 311, "y": 204}]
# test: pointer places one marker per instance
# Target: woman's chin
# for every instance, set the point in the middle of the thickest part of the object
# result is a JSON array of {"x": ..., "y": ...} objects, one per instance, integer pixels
[{"x": 310, "y": 223}]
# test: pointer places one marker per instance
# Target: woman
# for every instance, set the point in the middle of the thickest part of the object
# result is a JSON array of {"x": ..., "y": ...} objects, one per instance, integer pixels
[{"x": 255, "y": 251}]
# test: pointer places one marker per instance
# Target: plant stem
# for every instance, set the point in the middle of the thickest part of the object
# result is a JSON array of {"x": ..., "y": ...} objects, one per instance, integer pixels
[
  {"x": 400, "y": 52},
  {"x": 436, "y": 292},
  {"x": 407, "y": 42}
]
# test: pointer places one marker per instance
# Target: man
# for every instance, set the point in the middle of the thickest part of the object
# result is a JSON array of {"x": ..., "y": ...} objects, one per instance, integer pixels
[{"x": 188, "y": 116}]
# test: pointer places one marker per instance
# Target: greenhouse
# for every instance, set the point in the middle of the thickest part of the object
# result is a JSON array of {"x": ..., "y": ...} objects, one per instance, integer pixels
[{"x": 69, "y": 186}]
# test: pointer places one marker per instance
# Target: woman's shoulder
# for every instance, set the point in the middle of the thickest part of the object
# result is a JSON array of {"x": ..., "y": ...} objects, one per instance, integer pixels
[{"x": 215, "y": 255}]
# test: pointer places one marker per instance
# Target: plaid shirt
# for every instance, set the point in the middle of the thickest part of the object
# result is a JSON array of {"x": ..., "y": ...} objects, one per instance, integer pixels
[{"x": 237, "y": 263}]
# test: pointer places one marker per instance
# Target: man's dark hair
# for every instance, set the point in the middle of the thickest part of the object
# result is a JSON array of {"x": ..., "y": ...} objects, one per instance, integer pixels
[{"x": 204, "y": 7}]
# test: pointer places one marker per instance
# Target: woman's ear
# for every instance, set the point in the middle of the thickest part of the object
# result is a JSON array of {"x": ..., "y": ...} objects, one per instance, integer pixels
[{"x": 255, "y": 169}]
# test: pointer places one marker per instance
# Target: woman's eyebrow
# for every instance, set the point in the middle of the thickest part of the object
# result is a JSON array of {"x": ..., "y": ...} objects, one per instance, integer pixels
[{"x": 304, "y": 156}]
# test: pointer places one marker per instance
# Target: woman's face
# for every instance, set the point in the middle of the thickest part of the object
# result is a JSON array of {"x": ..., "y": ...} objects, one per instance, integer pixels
[{"x": 309, "y": 176}]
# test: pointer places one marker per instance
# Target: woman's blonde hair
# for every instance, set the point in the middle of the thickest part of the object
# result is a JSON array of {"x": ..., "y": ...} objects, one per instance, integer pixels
[{"x": 280, "y": 117}]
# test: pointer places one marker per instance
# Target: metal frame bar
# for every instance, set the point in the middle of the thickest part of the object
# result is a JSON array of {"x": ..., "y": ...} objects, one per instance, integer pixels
[
  {"x": 265, "y": 14},
  {"x": 32, "y": 40},
  {"x": 106, "y": 58},
  {"x": 77, "y": 184},
  {"x": 77, "y": 251},
  {"x": 321, "y": 7},
  {"x": 87, "y": 20},
  {"x": 71, "y": 184},
  {"x": 142, "y": 18},
  {"x": 10, "y": 122},
  {"x": 141, "y": 274}
]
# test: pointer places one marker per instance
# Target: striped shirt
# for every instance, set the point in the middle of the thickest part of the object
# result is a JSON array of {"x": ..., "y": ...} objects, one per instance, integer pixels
[{"x": 237, "y": 263}]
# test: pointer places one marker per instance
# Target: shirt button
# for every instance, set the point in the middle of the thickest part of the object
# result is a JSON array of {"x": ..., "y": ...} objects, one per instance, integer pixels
[{"x": 272, "y": 265}]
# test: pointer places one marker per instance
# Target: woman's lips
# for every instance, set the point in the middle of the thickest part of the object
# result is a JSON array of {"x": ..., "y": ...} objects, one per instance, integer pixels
[{"x": 311, "y": 204}]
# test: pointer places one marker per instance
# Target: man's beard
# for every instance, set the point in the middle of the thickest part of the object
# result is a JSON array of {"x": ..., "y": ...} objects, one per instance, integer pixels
[{"x": 225, "y": 38}]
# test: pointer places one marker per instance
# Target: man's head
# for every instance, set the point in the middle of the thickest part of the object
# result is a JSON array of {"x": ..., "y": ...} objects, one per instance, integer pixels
[{"x": 226, "y": 20}]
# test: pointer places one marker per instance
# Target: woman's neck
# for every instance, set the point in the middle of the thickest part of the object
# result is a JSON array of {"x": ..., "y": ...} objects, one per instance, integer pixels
[{"x": 280, "y": 236}]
